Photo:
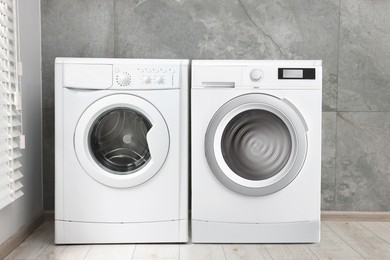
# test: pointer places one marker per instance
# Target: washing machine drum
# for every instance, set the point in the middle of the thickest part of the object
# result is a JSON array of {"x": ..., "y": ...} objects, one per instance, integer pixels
[
  {"x": 118, "y": 140},
  {"x": 256, "y": 144},
  {"x": 121, "y": 140}
]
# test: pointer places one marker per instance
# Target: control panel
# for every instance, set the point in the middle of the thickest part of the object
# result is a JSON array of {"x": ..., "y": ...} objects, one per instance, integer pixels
[
  {"x": 145, "y": 76},
  {"x": 276, "y": 76},
  {"x": 257, "y": 74}
]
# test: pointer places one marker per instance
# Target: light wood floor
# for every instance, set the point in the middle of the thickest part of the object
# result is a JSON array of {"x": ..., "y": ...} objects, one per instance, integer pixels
[{"x": 339, "y": 240}]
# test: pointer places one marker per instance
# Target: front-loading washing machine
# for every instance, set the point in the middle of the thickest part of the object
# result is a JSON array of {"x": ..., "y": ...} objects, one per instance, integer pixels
[
  {"x": 256, "y": 151},
  {"x": 121, "y": 135}
]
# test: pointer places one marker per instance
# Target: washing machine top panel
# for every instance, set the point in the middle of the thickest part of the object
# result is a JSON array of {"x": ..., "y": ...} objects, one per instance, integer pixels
[
  {"x": 256, "y": 74},
  {"x": 121, "y": 74}
]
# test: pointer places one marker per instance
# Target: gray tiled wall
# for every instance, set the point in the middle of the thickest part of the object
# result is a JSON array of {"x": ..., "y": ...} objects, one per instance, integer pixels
[{"x": 350, "y": 36}]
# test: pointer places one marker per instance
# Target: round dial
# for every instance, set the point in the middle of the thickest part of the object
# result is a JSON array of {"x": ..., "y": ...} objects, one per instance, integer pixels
[
  {"x": 123, "y": 79},
  {"x": 159, "y": 80},
  {"x": 256, "y": 75},
  {"x": 146, "y": 79}
]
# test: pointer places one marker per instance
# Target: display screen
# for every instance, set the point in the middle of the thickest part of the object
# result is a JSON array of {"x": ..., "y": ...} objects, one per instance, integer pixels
[{"x": 296, "y": 73}]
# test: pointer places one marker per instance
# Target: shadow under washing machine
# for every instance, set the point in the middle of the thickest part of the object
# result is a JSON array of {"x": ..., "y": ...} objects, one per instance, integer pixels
[
  {"x": 121, "y": 150},
  {"x": 256, "y": 151}
]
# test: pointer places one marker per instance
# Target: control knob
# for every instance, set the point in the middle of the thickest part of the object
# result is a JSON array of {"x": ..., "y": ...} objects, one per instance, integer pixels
[
  {"x": 159, "y": 80},
  {"x": 146, "y": 79},
  {"x": 256, "y": 75},
  {"x": 123, "y": 79}
]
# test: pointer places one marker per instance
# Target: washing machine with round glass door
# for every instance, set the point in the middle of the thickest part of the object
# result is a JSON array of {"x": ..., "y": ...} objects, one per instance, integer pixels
[
  {"x": 256, "y": 151},
  {"x": 121, "y": 150}
]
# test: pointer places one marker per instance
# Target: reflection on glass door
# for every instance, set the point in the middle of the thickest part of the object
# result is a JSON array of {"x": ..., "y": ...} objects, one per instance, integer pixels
[
  {"x": 118, "y": 140},
  {"x": 256, "y": 144}
]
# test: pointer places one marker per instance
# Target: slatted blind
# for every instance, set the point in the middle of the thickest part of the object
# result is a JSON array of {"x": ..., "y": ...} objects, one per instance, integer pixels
[{"x": 10, "y": 106}]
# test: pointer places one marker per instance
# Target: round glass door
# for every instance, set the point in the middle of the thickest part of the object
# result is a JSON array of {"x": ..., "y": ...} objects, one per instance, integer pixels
[
  {"x": 121, "y": 140},
  {"x": 256, "y": 144},
  {"x": 118, "y": 140}
]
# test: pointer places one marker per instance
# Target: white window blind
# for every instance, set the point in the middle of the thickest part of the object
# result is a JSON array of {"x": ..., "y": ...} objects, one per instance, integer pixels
[{"x": 10, "y": 105}]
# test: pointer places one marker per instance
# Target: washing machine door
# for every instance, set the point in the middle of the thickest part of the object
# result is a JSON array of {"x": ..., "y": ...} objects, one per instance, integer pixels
[
  {"x": 121, "y": 140},
  {"x": 256, "y": 144}
]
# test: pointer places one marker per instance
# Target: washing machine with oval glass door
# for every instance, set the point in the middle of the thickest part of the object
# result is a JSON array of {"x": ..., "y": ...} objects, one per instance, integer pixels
[
  {"x": 121, "y": 150},
  {"x": 256, "y": 151}
]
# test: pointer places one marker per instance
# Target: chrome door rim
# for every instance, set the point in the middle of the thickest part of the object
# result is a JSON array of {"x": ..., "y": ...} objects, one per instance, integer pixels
[{"x": 283, "y": 109}]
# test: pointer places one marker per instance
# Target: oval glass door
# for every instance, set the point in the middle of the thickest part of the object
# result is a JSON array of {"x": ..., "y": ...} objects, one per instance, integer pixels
[
  {"x": 121, "y": 140},
  {"x": 256, "y": 144}
]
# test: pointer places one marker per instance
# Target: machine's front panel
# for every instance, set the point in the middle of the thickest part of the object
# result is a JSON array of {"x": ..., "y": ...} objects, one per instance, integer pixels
[{"x": 297, "y": 201}]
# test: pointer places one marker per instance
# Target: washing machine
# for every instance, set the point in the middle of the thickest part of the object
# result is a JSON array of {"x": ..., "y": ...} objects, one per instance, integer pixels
[
  {"x": 256, "y": 151},
  {"x": 121, "y": 149}
]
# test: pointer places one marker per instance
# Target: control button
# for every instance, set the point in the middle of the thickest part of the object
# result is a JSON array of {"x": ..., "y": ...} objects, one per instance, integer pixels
[
  {"x": 123, "y": 79},
  {"x": 148, "y": 70},
  {"x": 256, "y": 75},
  {"x": 164, "y": 71},
  {"x": 159, "y": 80},
  {"x": 146, "y": 79},
  {"x": 141, "y": 70}
]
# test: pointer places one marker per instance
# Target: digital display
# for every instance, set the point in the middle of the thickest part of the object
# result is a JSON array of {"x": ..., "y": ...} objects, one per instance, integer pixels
[
  {"x": 296, "y": 73},
  {"x": 293, "y": 74}
]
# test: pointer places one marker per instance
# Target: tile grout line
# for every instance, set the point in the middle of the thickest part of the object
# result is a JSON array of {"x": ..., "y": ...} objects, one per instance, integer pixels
[
  {"x": 113, "y": 20},
  {"x": 135, "y": 247},
  {"x": 335, "y": 162},
  {"x": 338, "y": 58},
  {"x": 223, "y": 250},
  {"x": 269, "y": 253},
  {"x": 89, "y": 249},
  {"x": 343, "y": 239},
  {"x": 337, "y": 105},
  {"x": 314, "y": 253}
]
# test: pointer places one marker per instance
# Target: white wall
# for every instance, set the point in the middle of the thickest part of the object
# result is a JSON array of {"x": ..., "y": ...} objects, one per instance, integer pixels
[{"x": 22, "y": 211}]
